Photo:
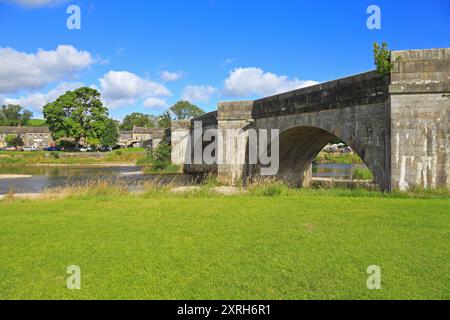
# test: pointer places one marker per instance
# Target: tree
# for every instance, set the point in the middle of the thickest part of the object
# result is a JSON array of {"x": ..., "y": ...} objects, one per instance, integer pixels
[
  {"x": 382, "y": 58},
  {"x": 14, "y": 115},
  {"x": 183, "y": 110},
  {"x": 110, "y": 136},
  {"x": 139, "y": 120},
  {"x": 14, "y": 141},
  {"x": 77, "y": 114},
  {"x": 165, "y": 120},
  {"x": 161, "y": 156}
]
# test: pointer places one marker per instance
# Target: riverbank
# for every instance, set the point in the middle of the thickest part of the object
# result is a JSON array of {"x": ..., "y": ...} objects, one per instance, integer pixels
[
  {"x": 84, "y": 165},
  {"x": 14, "y": 176},
  {"x": 270, "y": 243},
  {"x": 121, "y": 157}
]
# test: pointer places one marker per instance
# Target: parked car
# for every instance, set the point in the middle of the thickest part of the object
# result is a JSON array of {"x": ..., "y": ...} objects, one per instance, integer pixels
[
  {"x": 105, "y": 149},
  {"x": 10, "y": 149},
  {"x": 53, "y": 149},
  {"x": 117, "y": 147},
  {"x": 29, "y": 149},
  {"x": 83, "y": 149}
]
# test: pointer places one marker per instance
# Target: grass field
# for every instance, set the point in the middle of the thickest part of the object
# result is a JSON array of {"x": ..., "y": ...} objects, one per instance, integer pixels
[
  {"x": 264, "y": 245},
  {"x": 36, "y": 122},
  {"x": 41, "y": 157}
]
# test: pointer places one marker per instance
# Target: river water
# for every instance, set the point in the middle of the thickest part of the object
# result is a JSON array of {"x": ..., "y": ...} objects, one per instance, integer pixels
[{"x": 44, "y": 178}]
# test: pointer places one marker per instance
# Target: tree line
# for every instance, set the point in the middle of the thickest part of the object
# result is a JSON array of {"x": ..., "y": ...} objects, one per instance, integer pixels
[{"x": 81, "y": 115}]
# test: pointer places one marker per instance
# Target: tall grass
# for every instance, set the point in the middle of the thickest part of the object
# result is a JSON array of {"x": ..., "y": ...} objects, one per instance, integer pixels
[
  {"x": 362, "y": 174},
  {"x": 162, "y": 187}
]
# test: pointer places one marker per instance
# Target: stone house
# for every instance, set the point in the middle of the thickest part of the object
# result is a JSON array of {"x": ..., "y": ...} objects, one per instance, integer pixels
[{"x": 38, "y": 137}]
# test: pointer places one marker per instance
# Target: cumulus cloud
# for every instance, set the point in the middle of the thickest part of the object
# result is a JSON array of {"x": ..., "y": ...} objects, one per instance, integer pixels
[
  {"x": 198, "y": 93},
  {"x": 243, "y": 82},
  {"x": 36, "y": 101},
  {"x": 121, "y": 88},
  {"x": 155, "y": 103},
  {"x": 168, "y": 76},
  {"x": 20, "y": 70},
  {"x": 34, "y": 3}
]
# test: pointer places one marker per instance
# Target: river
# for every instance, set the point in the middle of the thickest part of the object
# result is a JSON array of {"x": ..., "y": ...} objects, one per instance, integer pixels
[{"x": 39, "y": 179}]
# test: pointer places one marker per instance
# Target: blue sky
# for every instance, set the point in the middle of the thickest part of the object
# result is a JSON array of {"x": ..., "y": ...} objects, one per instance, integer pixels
[{"x": 145, "y": 55}]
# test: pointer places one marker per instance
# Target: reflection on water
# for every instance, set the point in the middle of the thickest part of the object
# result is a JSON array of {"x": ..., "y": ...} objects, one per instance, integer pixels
[
  {"x": 51, "y": 177},
  {"x": 58, "y": 171},
  {"x": 332, "y": 170},
  {"x": 44, "y": 178}
]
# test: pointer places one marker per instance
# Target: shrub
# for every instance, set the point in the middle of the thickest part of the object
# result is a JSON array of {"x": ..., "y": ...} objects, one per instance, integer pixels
[
  {"x": 382, "y": 57},
  {"x": 158, "y": 159}
]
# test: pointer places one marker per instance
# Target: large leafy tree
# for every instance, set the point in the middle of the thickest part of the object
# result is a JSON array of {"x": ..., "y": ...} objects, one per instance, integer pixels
[
  {"x": 110, "y": 136},
  {"x": 139, "y": 120},
  {"x": 183, "y": 110},
  {"x": 14, "y": 115},
  {"x": 77, "y": 114}
]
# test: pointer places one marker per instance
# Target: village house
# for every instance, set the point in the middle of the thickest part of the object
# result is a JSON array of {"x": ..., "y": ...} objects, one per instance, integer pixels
[{"x": 37, "y": 137}]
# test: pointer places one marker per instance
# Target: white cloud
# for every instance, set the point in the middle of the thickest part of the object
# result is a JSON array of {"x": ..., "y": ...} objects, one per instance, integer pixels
[
  {"x": 198, "y": 93},
  {"x": 20, "y": 70},
  {"x": 121, "y": 88},
  {"x": 155, "y": 103},
  {"x": 250, "y": 81},
  {"x": 36, "y": 101},
  {"x": 171, "y": 76},
  {"x": 35, "y": 3}
]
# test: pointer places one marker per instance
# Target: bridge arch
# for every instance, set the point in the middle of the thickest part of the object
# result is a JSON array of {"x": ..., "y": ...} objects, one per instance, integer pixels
[
  {"x": 300, "y": 145},
  {"x": 303, "y": 136}
]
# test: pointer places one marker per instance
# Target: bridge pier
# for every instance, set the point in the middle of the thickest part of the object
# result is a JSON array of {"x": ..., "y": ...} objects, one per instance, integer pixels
[
  {"x": 234, "y": 117},
  {"x": 420, "y": 119}
]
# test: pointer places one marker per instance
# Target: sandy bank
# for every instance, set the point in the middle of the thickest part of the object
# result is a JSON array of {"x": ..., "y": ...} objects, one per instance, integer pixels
[{"x": 14, "y": 176}]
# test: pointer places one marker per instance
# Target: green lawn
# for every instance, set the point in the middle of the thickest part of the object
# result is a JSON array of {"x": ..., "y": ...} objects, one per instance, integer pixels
[{"x": 307, "y": 245}]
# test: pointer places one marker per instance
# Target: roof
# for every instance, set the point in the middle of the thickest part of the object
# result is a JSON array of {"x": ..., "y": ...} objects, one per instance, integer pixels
[{"x": 22, "y": 130}]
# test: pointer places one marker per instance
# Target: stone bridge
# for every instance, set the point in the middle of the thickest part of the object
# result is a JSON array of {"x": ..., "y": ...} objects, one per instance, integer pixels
[{"x": 398, "y": 125}]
